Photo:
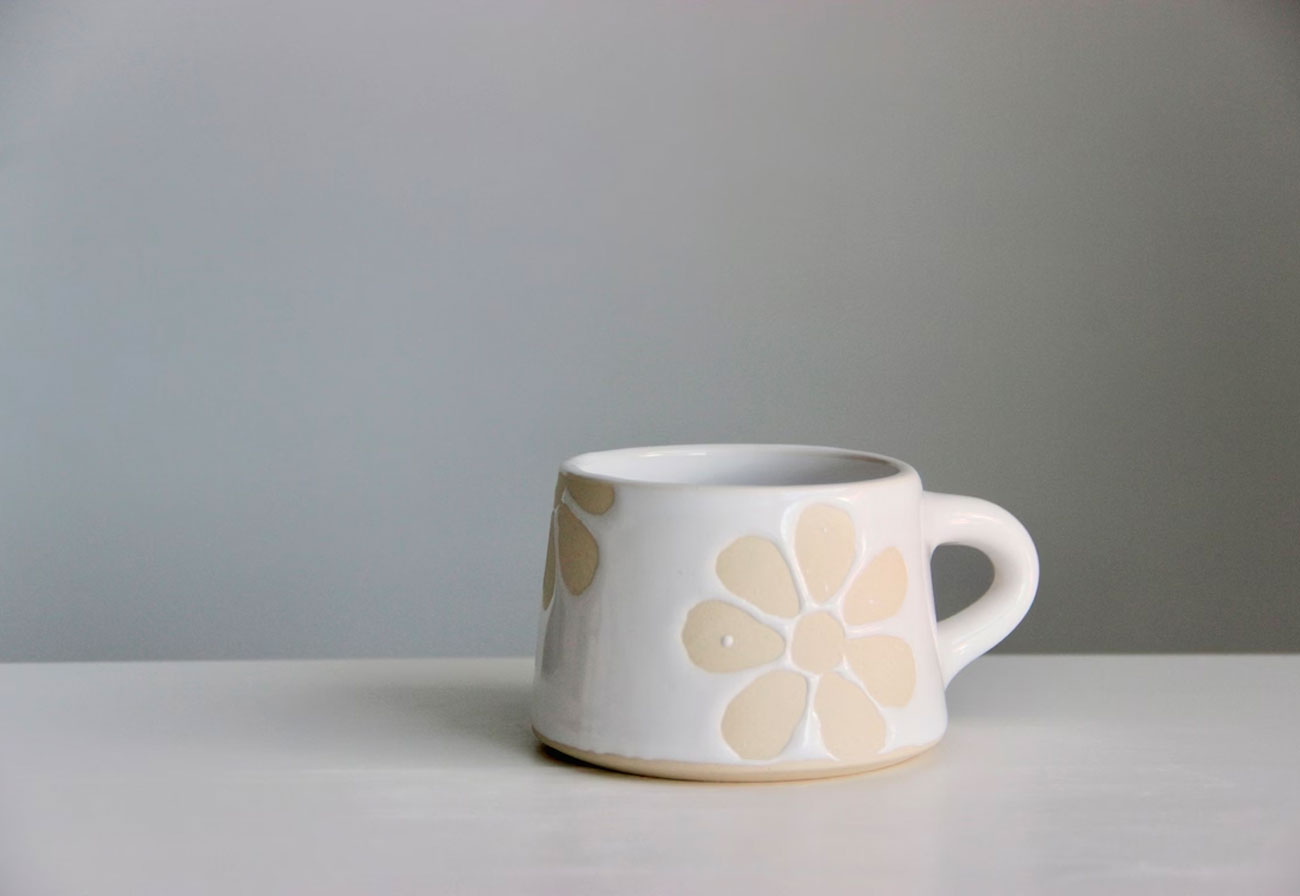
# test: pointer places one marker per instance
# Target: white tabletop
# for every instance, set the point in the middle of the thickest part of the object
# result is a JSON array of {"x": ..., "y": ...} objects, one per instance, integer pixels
[{"x": 1058, "y": 774}]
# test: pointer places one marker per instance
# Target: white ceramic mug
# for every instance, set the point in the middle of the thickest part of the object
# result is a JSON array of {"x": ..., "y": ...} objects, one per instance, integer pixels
[{"x": 758, "y": 612}]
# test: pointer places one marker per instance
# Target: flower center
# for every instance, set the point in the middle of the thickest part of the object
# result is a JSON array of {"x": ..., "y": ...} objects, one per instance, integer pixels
[{"x": 818, "y": 643}]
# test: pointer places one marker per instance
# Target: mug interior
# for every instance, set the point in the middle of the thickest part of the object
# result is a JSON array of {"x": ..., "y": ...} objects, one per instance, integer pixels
[{"x": 735, "y": 465}]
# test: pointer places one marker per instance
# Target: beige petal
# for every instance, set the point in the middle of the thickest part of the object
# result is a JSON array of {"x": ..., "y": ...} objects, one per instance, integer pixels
[
  {"x": 548, "y": 576},
  {"x": 878, "y": 591},
  {"x": 559, "y": 491},
  {"x": 760, "y": 720},
  {"x": 823, "y": 544},
  {"x": 885, "y": 666},
  {"x": 852, "y": 727},
  {"x": 720, "y": 637},
  {"x": 578, "y": 553},
  {"x": 818, "y": 643},
  {"x": 753, "y": 568},
  {"x": 591, "y": 495}
]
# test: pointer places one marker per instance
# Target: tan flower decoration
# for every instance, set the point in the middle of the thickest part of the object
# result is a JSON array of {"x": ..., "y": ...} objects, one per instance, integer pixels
[
  {"x": 570, "y": 545},
  {"x": 849, "y": 677}
]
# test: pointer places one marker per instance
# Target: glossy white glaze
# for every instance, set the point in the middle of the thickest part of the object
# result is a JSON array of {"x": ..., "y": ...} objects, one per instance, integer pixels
[{"x": 612, "y": 674}]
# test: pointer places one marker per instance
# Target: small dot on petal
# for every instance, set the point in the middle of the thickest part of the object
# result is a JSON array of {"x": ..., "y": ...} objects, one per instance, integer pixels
[{"x": 721, "y": 637}]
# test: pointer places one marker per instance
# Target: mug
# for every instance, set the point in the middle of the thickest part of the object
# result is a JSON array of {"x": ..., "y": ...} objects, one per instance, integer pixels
[{"x": 758, "y": 612}]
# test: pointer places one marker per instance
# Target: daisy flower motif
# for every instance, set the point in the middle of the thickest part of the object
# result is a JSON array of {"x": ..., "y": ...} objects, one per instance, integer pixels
[
  {"x": 570, "y": 546},
  {"x": 799, "y": 626}
]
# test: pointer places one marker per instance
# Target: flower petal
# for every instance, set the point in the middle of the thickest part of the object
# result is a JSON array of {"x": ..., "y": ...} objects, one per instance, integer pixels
[
  {"x": 591, "y": 495},
  {"x": 878, "y": 591},
  {"x": 852, "y": 727},
  {"x": 886, "y": 667},
  {"x": 548, "y": 576},
  {"x": 578, "y": 553},
  {"x": 760, "y": 720},
  {"x": 753, "y": 568},
  {"x": 817, "y": 645},
  {"x": 721, "y": 637},
  {"x": 559, "y": 491},
  {"x": 823, "y": 544}
]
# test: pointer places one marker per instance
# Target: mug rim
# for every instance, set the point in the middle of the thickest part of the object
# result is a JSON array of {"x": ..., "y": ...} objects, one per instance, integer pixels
[{"x": 577, "y": 466}]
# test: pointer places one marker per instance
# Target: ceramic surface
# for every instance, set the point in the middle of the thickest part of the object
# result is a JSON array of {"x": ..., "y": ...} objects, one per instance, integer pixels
[{"x": 758, "y": 612}]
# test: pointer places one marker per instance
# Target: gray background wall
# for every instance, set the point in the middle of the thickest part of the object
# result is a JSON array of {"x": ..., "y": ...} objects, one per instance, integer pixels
[{"x": 301, "y": 303}]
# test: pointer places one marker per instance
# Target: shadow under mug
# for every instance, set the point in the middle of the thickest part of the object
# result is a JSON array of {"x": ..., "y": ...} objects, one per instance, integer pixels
[{"x": 758, "y": 612}]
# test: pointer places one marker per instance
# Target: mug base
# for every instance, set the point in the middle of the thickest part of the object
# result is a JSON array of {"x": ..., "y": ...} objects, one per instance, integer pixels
[{"x": 721, "y": 772}]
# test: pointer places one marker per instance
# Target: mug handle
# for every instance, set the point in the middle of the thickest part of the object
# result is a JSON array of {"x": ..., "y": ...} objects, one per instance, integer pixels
[{"x": 956, "y": 519}]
